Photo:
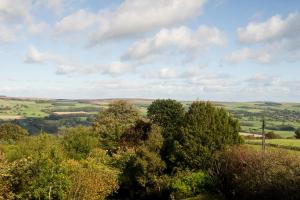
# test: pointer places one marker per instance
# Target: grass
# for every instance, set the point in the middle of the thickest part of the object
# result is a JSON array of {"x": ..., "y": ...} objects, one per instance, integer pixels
[
  {"x": 269, "y": 148},
  {"x": 292, "y": 144}
]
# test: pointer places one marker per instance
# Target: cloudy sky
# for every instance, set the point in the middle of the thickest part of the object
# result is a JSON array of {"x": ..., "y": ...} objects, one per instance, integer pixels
[{"x": 225, "y": 50}]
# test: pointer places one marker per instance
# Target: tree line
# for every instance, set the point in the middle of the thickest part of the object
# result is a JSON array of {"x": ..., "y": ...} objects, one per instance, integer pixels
[{"x": 172, "y": 153}]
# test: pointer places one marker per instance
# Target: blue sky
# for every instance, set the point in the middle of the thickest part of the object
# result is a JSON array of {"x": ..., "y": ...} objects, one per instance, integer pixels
[{"x": 224, "y": 50}]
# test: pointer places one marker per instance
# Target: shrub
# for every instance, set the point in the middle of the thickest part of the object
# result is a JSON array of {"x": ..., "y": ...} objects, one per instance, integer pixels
[
  {"x": 39, "y": 173},
  {"x": 79, "y": 141},
  {"x": 91, "y": 179},
  {"x": 272, "y": 135},
  {"x": 297, "y": 133},
  {"x": 111, "y": 123},
  {"x": 188, "y": 184},
  {"x": 245, "y": 173},
  {"x": 13, "y": 132}
]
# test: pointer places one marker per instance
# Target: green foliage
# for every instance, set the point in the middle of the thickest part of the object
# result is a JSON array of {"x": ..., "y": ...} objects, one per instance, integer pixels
[
  {"x": 79, "y": 141},
  {"x": 5, "y": 187},
  {"x": 142, "y": 173},
  {"x": 169, "y": 114},
  {"x": 244, "y": 173},
  {"x": 297, "y": 133},
  {"x": 111, "y": 123},
  {"x": 188, "y": 184},
  {"x": 143, "y": 132},
  {"x": 166, "y": 113},
  {"x": 91, "y": 178},
  {"x": 272, "y": 135},
  {"x": 39, "y": 174},
  {"x": 207, "y": 129},
  {"x": 13, "y": 132}
]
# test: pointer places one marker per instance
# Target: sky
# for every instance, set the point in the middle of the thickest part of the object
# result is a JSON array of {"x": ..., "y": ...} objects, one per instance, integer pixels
[{"x": 220, "y": 50}]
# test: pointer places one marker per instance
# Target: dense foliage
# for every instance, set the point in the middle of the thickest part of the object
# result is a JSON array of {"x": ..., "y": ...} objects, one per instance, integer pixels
[
  {"x": 174, "y": 153},
  {"x": 10, "y": 131},
  {"x": 112, "y": 122},
  {"x": 244, "y": 173}
]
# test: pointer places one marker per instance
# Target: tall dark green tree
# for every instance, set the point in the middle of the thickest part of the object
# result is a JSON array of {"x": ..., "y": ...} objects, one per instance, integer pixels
[
  {"x": 169, "y": 114},
  {"x": 206, "y": 130}
]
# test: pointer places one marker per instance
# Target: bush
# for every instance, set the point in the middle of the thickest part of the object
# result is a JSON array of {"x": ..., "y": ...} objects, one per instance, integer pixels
[
  {"x": 272, "y": 135},
  {"x": 38, "y": 173},
  {"x": 91, "y": 179},
  {"x": 79, "y": 141},
  {"x": 245, "y": 173},
  {"x": 188, "y": 184},
  {"x": 111, "y": 123},
  {"x": 13, "y": 132},
  {"x": 297, "y": 133}
]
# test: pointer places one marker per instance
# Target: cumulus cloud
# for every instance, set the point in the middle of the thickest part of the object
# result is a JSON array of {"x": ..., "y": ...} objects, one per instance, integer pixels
[
  {"x": 37, "y": 28},
  {"x": 244, "y": 54},
  {"x": 274, "y": 29},
  {"x": 78, "y": 21},
  {"x": 55, "y": 6},
  {"x": 275, "y": 40},
  {"x": 167, "y": 73},
  {"x": 15, "y": 10},
  {"x": 35, "y": 56},
  {"x": 116, "y": 68},
  {"x": 7, "y": 34},
  {"x": 136, "y": 16},
  {"x": 182, "y": 39}
]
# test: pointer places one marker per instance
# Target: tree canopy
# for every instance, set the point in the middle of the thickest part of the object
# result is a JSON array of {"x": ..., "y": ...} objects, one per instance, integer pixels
[{"x": 9, "y": 131}]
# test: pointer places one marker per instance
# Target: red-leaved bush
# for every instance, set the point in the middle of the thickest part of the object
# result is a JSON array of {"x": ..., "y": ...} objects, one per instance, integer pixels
[{"x": 246, "y": 173}]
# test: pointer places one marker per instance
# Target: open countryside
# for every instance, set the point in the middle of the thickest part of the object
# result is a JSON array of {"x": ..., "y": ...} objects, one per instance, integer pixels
[
  {"x": 149, "y": 100},
  {"x": 281, "y": 118}
]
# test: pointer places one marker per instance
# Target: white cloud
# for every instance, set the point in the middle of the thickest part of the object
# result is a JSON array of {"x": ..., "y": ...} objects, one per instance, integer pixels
[
  {"x": 116, "y": 68},
  {"x": 273, "y": 29},
  {"x": 35, "y": 56},
  {"x": 113, "y": 69},
  {"x": 244, "y": 54},
  {"x": 191, "y": 72},
  {"x": 182, "y": 40},
  {"x": 166, "y": 73},
  {"x": 275, "y": 40},
  {"x": 11, "y": 10},
  {"x": 78, "y": 21},
  {"x": 7, "y": 34},
  {"x": 136, "y": 16},
  {"x": 56, "y": 6},
  {"x": 37, "y": 28}
]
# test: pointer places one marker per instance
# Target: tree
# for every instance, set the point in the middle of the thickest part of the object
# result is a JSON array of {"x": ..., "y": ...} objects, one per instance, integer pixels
[
  {"x": 206, "y": 130},
  {"x": 9, "y": 131},
  {"x": 166, "y": 113},
  {"x": 169, "y": 114},
  {"x": 39, "y": 173},
  {"x": 79, "y": 141},
  {"x": 111, "y": 123},
  {"x": 297, "y": 133},
  {"x": 141, "y": 176},
  {"x": 91, "y": 179}
]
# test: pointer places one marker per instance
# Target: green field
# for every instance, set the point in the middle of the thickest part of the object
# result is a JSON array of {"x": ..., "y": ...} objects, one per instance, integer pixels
[
  {"x": 292, "y": 144},
  {"x": 281, "y": 118}
]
